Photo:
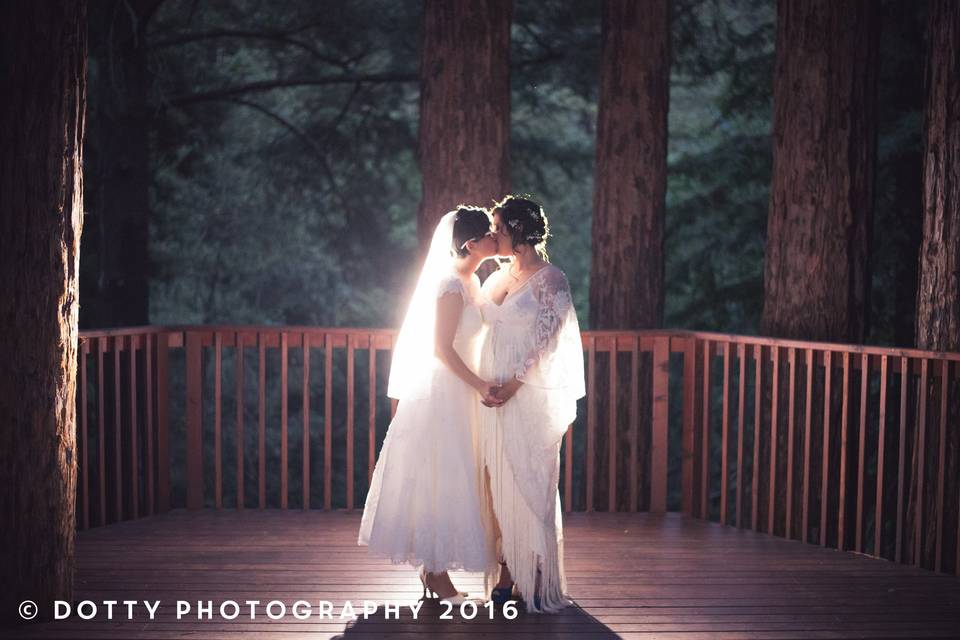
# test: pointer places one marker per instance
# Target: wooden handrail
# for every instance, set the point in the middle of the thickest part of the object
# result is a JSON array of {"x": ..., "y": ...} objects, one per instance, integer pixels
[{"x": 756, "y": 445}]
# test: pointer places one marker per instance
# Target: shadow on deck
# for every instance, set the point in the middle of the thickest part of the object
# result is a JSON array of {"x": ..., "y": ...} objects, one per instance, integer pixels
[{"x": 637, "y": 575}]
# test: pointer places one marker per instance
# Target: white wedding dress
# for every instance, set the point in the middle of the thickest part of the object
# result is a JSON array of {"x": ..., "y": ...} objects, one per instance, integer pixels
[
  {"x": 533, "y": 336},
  {"x": 424, "y": 502}
]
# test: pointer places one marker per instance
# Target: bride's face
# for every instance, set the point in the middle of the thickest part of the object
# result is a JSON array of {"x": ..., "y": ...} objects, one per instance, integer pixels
[
  {"x": 485, "y": 247},
  {"x": 504, "y": 243}
]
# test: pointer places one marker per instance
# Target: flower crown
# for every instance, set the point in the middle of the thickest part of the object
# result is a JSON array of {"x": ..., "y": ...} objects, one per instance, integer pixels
[{"x": 517, "y": 225}]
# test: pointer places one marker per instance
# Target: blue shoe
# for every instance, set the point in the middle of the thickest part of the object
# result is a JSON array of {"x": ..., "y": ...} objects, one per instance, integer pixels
[{"x": 502, "y": 595}]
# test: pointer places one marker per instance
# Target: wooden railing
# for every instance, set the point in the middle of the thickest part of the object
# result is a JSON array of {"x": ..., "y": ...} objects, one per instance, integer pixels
[{"x": 722, "y": 427}]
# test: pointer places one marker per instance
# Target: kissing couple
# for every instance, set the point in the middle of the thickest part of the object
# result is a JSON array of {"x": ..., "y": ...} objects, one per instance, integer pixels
[{"x": 488, "y": 379}]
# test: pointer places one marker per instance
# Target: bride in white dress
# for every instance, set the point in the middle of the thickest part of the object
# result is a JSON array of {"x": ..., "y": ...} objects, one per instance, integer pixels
[
  {"x": 424, "y": 502},
  {"x": 533, "y": 347}
]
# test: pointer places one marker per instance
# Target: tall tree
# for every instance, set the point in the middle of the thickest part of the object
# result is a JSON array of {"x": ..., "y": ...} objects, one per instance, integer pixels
[
  {"x": 938, "y": 297},
  {"x": 464, "y": 106},
  {"x": 43, "y": 81},
  {"x": 630, "y": 183},
  {"x": 116, "y": 271},
  {"x": 938, "y": 292},
  {"x": 816, "y": 268}
]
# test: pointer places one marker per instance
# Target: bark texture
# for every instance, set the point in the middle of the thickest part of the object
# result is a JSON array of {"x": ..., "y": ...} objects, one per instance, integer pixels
[
  {"x": 817, "y": 266},
  {"x": 629, "y": 198},
  {"x": 938, "y": 291},
  {"x": 938, "y": 294},
  {"x": 43, "y": 81},
  {"x": 464, "y": 106}
]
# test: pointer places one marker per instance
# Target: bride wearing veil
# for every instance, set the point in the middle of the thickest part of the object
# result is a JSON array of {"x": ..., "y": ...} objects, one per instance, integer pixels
[{"x": 424, "y": 502}]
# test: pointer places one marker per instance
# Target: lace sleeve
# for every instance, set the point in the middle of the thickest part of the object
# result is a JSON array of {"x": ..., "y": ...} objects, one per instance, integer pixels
[
  {"x": 555, "y": 304},
  {"x": 451, "y": 284}
]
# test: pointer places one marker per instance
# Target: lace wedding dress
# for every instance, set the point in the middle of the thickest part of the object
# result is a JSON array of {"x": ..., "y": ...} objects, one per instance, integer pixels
[
  {"x": 424, "y": 502},
  {"x": 533, "y": 336}
]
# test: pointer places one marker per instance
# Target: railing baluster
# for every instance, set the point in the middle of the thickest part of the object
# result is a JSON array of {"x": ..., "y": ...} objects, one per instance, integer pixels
[
  {"x": 661, "y": 414},
  {"x": 774, "y": 409},
  {"x": 825, "y": 481},
  {"x": 351, "y": 346},
  {"x": 724, "y": 432},
  {"x": 688, "y": 452},
  {"x": 117, "y": 427},
  {"x": 881, "y": 430},
  {"x": 101, "y": 424},
  {"x": 591, "y": 416},
  {"x": 862, "y": 446},
  {"x": 612, "y": 429},
  {"x": 194, "y": 382},
  {"x": 284, "y": 452},
  {"x": 163, "y": 424},
  {"x": 239, "y": 421},
  {"x": 134, "y": 467},
  {"x": 807, "y": 417},
  {"x": 217, "y": 400},
  {"x": 262, "y": 420},
  {"x": 901, "y": 456},
  {"x": 327, "y": 420},
  {"x": 148, "y": 357},
  {"x": 306, "y": 421},
  {"x": 705, "y": 436},
  {"x": 841, "y": 523},
  {"x": 741, "y": 399},
  {"x": 921, "y": 467},
  {"x": 84, "y": 439},
  {"x": 941, "y": 463},
  {"x": 791, "y": 406},
  {"x": 755, "y": 469}
]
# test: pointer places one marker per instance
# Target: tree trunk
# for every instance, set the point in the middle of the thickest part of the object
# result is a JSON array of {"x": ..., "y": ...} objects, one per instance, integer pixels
[
  {"x": 816, "y": 270},
  {"x": 116, "y": 246},
  {"x": 464, "y": 106},
  {"x": 629, "y": 200},
  {"x": 43, "y": 82},
  {"x": 817, "y": 266},
  {"x": 938, "y": 292}
]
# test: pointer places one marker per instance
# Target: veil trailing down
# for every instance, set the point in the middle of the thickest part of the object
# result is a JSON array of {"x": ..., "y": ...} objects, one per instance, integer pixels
[{"x": 423, "y": 506}]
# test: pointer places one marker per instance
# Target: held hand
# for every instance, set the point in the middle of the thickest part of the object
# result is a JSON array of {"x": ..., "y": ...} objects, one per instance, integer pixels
[
  {"x": 490, "y": 393},
  {"x": 508, "y": 390}
]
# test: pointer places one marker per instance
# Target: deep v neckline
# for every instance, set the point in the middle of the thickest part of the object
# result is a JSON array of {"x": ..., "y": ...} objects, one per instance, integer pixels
[{"x": 512, "y": 294}]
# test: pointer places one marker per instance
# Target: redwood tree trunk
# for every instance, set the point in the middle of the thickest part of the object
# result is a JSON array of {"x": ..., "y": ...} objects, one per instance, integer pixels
[
  {"x": 464, "y": 106},
  {"x": 629, "y": 199},
  {"x": 938, "y": 292},
  {"x": 43, "y": 82},
  {"x": 816, "y": 269}
]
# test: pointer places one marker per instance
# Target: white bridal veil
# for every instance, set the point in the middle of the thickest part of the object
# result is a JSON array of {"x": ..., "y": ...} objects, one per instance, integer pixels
[{"x": 413, "y": 363}]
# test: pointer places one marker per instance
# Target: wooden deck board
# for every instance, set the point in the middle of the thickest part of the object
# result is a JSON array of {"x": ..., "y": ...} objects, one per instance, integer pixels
[{"x": 632, "y": 576}]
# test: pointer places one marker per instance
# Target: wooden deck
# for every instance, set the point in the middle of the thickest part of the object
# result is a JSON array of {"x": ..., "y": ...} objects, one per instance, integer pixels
[{"x": 631, "y": 575}]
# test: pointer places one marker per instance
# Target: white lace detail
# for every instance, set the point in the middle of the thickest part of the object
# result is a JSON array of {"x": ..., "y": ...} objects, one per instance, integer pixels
[
  {"x": 451, "y": 284},
  {"x": 553, "y": 294}
]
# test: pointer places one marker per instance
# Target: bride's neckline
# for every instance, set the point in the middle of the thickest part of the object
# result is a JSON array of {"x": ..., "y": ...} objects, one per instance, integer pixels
[{"x": 512, "y": 294}]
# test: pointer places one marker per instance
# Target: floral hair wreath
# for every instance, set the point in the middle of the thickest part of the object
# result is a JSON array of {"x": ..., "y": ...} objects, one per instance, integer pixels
[{"x": 516, "y": 224}]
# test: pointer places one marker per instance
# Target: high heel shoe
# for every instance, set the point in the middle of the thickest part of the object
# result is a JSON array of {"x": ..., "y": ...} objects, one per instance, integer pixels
[{"x": 457, "y": 598}]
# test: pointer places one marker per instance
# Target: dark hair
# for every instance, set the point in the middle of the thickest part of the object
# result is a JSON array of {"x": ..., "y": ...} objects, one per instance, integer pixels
[
  {"x": 470, "y": 223},
  {"x": 525, "y": 222}
]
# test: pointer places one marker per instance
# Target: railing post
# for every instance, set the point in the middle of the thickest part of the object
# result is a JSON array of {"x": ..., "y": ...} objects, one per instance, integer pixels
[{"x": 194, "y": 418}]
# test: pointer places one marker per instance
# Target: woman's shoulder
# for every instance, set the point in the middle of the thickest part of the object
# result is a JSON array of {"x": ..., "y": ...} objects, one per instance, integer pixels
[
  {"x": 553, "y": 276},
  {"x": 451, "y": 283}
]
